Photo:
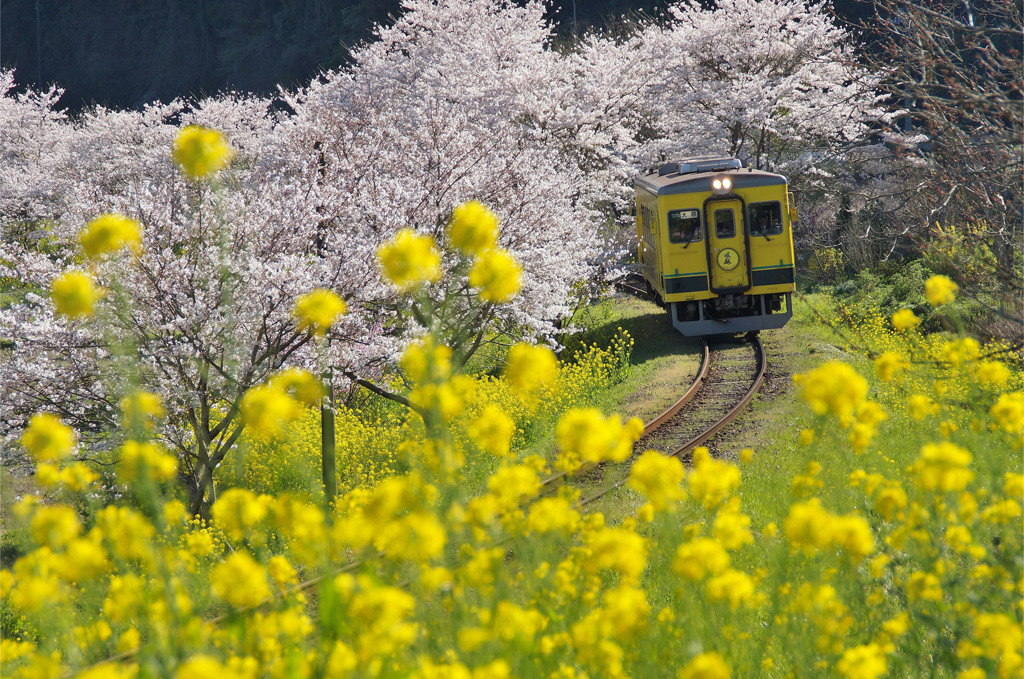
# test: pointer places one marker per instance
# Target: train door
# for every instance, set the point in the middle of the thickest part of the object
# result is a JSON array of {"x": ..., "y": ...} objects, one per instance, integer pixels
[{"x": 727, "y": 245}]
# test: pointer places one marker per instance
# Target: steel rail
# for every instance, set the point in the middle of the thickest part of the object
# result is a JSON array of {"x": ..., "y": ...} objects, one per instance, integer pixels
[
  {"x": 710, "y": 431},
  {"x": 735, "y": 411},
  {"x": 555, "y": 481}
]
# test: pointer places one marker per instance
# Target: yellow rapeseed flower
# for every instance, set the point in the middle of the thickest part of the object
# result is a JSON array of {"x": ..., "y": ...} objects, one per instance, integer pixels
[
  {"x": 74, "y": 293},
  {"x": 923, "y": 587},
  {"x": 552, "y": 514},
  {"x": 973, "y": 673},
  {"x": 140, "y": 459},
  {"x": 417, "y": 537},
  {"x": 138, "y": 407},
  {"x": 659, "y": 478},
  {"x": 497, "y": 274},
  {"x": 732, "y": 527},
  {"x": 943, "y": 467},
  {"x": 342, "y": 660},
  {"x": 110, "y": 232},
  {"x": 809, "y": 526},
  {"x": 992, "y": 372},
  {"x": 586, "y": 434},
  {"x": 958, "y": 537},
  {"x": 47, "y": 439},
  {"x": 127, "y": 532},
  {"x": 625, "y": 611},
  {"x": 890, "y": 500},
  {"x": 1008, "y": 412},
  {"x": 711, "y": 482},
  {"x": 921, "y": 406},
  {"x": 999, "y": 635},
  {"x": 940, "y": 290},
  {"x": 300, "y": 384},
  {"x": 514, "y": 484},
  {"x": 897, "y": 626},
  {"x": 238, "y": 511},
  {"x": 852, "y": 533},
  {"x": 959, "y": 351},
  {"x": 733, "y": 586},
  {"x": 473, "y": 228},
  {"x": 706, "y": 666},
  {"x": 832, "y": 387},
  {"x": 617, "y": 549},
  {"x": 11, "y": 650},
  {"x": 381, "y": 612},
  {"x": 240, "y": 581},
  {"x": 889, "y": 364},
  {"x": 530, "y": 366},
  {"x": 118, "y": 670},
  {"x": 426, "y": 361},
  {"x": 699, "y": 558},
  {"x": 318, "y": 310},
  {"x": 904, "y": 319},
  {"x": 863, "y": 662},
  {"x": 200, "y": 151},
  {"x": 55, "y": 526},
  {"x": 1013, "y": 485},
  {"x": 201, "y": 666},
  {"x": 47, "y": 475},
  {"x": 267, "y": 409},
  {"x": 409, "y": 260},
  {"x": 86, "y": 559},
  {"x": 31, "y": 593},
  {"x": 492, "y": 430}
]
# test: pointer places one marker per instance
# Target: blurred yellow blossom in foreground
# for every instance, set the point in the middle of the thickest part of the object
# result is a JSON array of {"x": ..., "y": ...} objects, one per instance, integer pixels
[{"x": 200, "y": 151}]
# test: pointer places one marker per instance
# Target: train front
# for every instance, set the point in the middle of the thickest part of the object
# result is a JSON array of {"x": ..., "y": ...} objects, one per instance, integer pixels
[{"x": 716, "y": 245}]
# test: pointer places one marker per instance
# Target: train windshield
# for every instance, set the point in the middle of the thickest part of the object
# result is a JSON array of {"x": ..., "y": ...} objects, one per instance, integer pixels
[
  {"x": 766, "y": 219},
  {"x": 684, "y": 226}
]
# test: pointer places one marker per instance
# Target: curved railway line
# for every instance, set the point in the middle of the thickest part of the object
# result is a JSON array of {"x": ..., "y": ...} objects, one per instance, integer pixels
[{"x": 731, "y": 373}]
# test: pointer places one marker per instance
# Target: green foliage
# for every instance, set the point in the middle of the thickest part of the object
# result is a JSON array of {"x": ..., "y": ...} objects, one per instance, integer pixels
[
  {"x": 370, "y": 432},
  {"x": 900, "y": 285},
  {"x": 825, "y": 266},
  {"x": 962, "y": 254}
]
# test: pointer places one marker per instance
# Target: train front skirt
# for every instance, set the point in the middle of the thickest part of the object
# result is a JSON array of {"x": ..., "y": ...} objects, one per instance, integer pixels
[{"x": 704, "y": 325}]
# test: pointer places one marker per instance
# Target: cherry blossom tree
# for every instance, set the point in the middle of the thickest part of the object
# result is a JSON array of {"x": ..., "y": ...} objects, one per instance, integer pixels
[
  {"x": 417, "y": 125},
  {"x": 203, "y": 311},
  {"x": 445, "y": 106},
  {"x": 776, "y": 83}
]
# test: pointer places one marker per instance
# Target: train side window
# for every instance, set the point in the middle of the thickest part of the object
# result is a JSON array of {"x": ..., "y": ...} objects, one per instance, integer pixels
[
  {"x": 725, "y": 223},
  {"x": 765, "y": 219},
  {"x": 684, "y": 226}
]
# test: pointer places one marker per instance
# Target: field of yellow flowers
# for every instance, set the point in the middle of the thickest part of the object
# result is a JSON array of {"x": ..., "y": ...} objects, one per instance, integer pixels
[{"x": 896, "y": 550}]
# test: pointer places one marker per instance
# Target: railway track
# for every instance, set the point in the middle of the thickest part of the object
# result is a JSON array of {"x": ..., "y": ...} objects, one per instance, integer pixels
[{"x": 731, "y": 373}]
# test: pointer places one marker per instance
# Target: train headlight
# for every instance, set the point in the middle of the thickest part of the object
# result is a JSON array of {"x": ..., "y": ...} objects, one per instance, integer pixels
[{"x": 721, "y": 185}]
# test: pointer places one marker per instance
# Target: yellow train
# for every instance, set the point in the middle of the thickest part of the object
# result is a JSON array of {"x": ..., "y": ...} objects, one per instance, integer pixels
[{"x": 716, "y": 244}]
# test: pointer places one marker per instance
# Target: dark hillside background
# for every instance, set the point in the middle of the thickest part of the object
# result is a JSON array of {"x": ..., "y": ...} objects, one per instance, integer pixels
[{"x": 126, "y": 53}]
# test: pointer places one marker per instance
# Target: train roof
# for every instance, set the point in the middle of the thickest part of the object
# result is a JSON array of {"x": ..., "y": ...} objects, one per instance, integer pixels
[{"x": 694, "y": 175}]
